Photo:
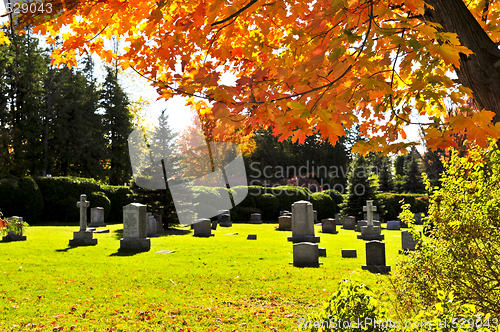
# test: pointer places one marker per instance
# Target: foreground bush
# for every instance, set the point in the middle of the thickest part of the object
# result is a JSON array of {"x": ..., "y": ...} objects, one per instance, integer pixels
[
  {"x": 353, "y": 307},
  {"x": 462, "y": 253}
]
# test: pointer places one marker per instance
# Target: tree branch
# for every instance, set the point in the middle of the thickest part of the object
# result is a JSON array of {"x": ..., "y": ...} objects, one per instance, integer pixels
[{"x": 230, "y": 17}]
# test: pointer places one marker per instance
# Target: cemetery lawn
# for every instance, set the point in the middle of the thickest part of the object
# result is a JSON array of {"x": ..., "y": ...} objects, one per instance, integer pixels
[{"x": 222, "y": 283}]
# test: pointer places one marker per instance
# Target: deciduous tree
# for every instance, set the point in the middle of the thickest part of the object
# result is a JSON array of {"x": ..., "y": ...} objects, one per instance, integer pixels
[{"x": 304, "y": 67}]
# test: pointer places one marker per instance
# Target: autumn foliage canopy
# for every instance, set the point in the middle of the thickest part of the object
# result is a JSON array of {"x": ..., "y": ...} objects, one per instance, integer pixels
[{"x": 302, "y": 67}]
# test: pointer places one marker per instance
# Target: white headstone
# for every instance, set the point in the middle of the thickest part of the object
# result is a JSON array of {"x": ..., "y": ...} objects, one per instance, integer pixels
[
  {"x": 302, "y": 218},
  {"x": 305, "y": 254},
  {"x": 97, "y": 217},
  {"x": 83, "y": 204},
  {"x": 369, "y": 209},
  {"x": 303, "y": 223},
  {"x": 134, "y": 221},
  {"x": 202, "y": 228},
  {"x": 152, "y": 226}
]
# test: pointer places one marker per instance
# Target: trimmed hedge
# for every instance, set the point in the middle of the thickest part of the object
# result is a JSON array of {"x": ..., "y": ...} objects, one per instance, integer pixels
[
  {"x": 242, "y": 214},
  {"x": 99, "y": 199},
  {"x": 418, "y": 203},
  {"x": 21, "y": 197},
  {"x": 324, "y": 205},
  {"x": 287, "y": 195},
  {"x": 268, "y": 204},
  {"x": 60, "y": 195},
  {"x": 119, "y": 196}
]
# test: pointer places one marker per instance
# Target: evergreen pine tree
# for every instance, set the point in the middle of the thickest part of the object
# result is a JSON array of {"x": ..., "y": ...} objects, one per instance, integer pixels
[
  {"x": 117, "y": 128},
  {"x": 385, "y": 183},
  {"x": 360, "y": 189},
  {"x": 412, "y": 180},
  {"x": 164, "y": 151}
]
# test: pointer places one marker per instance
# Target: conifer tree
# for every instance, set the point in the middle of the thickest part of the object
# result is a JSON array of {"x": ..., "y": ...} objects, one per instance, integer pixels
[
  {"x": 117, "y": 127},
  {"x": 385, "y": 181},
  {"x": 412, "y": 180},
  {"x": 360, "y": 189},
  {"x": 165, "y": 158}
]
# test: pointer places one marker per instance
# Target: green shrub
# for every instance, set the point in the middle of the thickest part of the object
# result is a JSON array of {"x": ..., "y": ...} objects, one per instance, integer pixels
[
  {"x": 119, "y": 196},
  {"x": 268, "y": 204},
  {"x": 21, "y": 197},
  {"x": 99, "y": 199},
  {"x": 252, "y": 192},
  {"x": 324, "y": 205},
  {"x": 349, "y": 303},
  {"x": 463, "y": 254},
  {"x": 242, "y": 214},
  {"x": 353, "y": 307},
  {"x": 392, "y": 205},
  {"x": 287, "y": 195},
  {"x": 335, "y": 195},
  {"x": 60, "y": 195}
]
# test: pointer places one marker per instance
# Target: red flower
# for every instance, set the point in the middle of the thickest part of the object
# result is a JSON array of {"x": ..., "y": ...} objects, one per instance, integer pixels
[{"x": 3, "y": 223}]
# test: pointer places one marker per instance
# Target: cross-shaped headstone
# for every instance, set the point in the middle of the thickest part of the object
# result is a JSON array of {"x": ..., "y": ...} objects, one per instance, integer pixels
[
  {"x": 369, "y": 209},
  {"x": 83, "y": 204}
]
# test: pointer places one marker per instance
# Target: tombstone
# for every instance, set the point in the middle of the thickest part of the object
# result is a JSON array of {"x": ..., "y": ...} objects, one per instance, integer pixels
[
  {"x": 349, "y": 222},
  {"x": 370, "y": 231},
  {"x": 252, "y": 237},
  {"x": 322, "y": 252},
  {"x": 287, "y": 214},
  {"x": 285, "y": 223},
  {"x": 305, "y": 254},
  {"x": 152, "y": 226},
  {"x": 418, "y": 218},
  {"x": 375, "y": 258},
  {"x": 97, "y": 217},
  {"x": 315, "y": 215},
  {"x": 12, "y": 236},
  {"x": 225, "y": 220},
  {"x": 282, "y": 212},
  {"x": 359, "y": 224},
  {"x": 202, "y": 228},
  {"x": 135, "y": 228},
  {"x": 214, "y": 224},
  {"x": 329, "y": 226},
  {"x": 255, "y": 218},
  {"x": 338, "y": 220},
  {"x": 408, "y": 242},
  {"x": 375, "y": 216},
  {"x": 84, "y": 237},
  {"x": 221, "y": 213},
  {"x": 303, "y": 223},
  {"x": 349, "y": 253},
  {"x": 393, "y": 225},
  {"x": 159, "y": 223}
]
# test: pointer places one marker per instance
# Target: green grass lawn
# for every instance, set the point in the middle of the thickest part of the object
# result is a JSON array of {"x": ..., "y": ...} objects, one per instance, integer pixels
[{"x": 222, "y": 283}]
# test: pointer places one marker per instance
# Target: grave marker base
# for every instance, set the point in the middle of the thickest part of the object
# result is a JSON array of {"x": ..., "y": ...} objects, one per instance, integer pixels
[
  {"x": 304, "y": 238},
  {"x": 83, "y": 238},
  {"x": 139, "y": 244},
  {"x": 377, "y": 268},
  {"x": 13, "y": 237},
  {"x": 349, "y": 253}
]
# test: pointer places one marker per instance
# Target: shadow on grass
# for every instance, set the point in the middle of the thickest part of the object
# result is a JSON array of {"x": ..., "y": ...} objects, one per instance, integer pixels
[
  {"x": 168, "y": 232},
  {"x": 125, "y": 253},
  {"x": 65, "y": 249}
]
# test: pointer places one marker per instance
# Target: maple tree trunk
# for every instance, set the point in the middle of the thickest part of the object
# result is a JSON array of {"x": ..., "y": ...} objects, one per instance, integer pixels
[{"x": 480, "y": 71}]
